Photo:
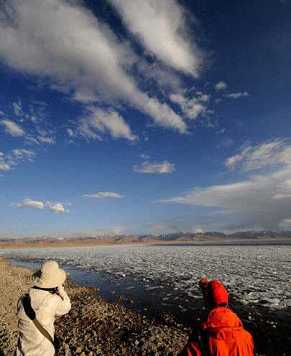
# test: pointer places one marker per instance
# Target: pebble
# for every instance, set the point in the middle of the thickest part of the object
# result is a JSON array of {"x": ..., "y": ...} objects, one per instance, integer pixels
[{"x": 93, "y": 326}]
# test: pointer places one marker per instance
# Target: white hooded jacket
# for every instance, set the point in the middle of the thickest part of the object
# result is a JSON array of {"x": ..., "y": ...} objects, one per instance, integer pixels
[{"x": 46, "y": 306}]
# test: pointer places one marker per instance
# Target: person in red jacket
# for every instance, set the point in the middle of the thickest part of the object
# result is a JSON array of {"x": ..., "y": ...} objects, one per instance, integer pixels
[{"x": 222, "y": 334}]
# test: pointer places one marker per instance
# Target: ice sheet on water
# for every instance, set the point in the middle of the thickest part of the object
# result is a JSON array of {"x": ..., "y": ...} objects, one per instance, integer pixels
[{"x": 258, "y": 274}]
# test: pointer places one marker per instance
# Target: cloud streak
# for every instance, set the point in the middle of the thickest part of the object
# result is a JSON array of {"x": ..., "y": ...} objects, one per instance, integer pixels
[
  {"x": 104, "y": 195},
  {"x": 192, "y": 107},
  {"x": 55, "y": 207},
  {"x": 147, "y": 167},
  {"x": 237, "y": 95},
  {"x": 12, "y": 128},
  {"x": 100, "y": 121},
  {"x": 14, "y": 158},
  {"x": 161, "y": 27},
  {"x": 30, "y": 122},
  {"x": 29, "y": 203},
  {"x": 220, "y": 86},
  {"x": 261, "y": 200},
  {"x": 78, "y": 54},
  {"x": 276, "y": 152},
  {"x": 58, "y": 208}
]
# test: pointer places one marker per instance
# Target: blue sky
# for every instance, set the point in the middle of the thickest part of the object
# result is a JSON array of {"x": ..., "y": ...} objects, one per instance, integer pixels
[{"x": 144, "y": 116}]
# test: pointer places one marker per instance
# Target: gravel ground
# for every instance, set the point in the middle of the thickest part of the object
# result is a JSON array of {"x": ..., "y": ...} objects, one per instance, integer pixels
[
  {"x": 96, "y": 327},
  {"x": 93, "y": 326}
]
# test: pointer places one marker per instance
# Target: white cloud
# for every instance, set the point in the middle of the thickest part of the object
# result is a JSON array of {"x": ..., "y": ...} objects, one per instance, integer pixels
[
  {"x": 232, "y": 161},
  {"x": 262, "y": 200},
  {"x": 220, "y": 86},
  {"x": 14, "y": 158},
  {"x": 162, "y": 114},
  {"x": 56, "y": 207},
  {"x": 4, "y": 167},
  {"x": 46, "y": 140},
  {"x": 144, "y": 156},
  {"x": 204, "y": 98},
  {"x": 70, "y": 132},
  {"x": 215, "y": 196},
  {"x": 104, "y": 195},
  {"x": 237, "y": 95},
  {"x": 164, "y": 167},
  {"x": 29, "y": 203},
  {"x": 12, "y": 128},
  {"x": 161, "y": 26},
  {"x": 17, "y": 108},
  {"x": 160, "y": 77},
  {"x": 64, "y": 42},
  {"x": 256, "y": 157},
  {"x": 21, "y": 154},
  {"x": 193, "y": 107},
  {"x": 101, "y": 121},
  {"x": 35, "y": 128}
]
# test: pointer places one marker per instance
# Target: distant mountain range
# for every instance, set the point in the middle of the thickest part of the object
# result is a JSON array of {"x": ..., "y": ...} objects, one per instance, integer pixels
[
  {"x": 179, "y": 237},
  {"x": 220, "y": 235}
]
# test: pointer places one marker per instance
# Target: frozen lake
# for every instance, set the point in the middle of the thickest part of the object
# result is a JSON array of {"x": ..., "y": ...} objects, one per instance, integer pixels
[{"x": 166, "y": 276}]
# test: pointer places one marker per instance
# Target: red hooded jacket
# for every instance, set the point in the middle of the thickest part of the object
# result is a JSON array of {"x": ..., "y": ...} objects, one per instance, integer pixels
[{"x": 225, "y": 336}]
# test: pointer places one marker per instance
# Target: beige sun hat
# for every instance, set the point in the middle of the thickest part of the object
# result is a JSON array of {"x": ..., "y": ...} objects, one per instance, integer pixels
[{"x": 50, "y": 275}]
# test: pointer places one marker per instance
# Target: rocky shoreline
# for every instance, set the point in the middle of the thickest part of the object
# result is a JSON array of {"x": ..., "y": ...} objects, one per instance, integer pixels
[
  {"x": 96, "y": 327},
  {"x": 93, "y": 326}
]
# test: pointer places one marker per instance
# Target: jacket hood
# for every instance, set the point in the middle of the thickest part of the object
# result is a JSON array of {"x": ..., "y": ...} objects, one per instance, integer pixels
[
  {"x": 222, "y": 317},
  {"x": 217, "y": 293}
]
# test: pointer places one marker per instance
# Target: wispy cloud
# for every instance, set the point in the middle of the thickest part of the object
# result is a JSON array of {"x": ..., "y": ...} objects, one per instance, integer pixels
[
  {"x": 12, "y": 128},
  {"x": 49, "y": 140},
  {"x": 13, "y": 158},
  {"x": 147, "y": 167},
  {"x": 17, "y": 108},
  {"x": 29, "y": 122},
  {"x": 237, "y": 95},
  {"x": 21, "y": 154},
  {"x": 268, "y": 154},
  {"x": 29, "y": 203},
  {"x": 161, "y": 26},
  {"x": 262, "y": 200},
  {"x": 104, "y": 195},
  {"x": 220, "y": 86},
  {"x": 4, "y": 166},
  {"x": 80, "y": 55},
  {"x": 55, "y": 207},
  {"x": 99, "y": 121},
  {"x": 191, "y": 107}
]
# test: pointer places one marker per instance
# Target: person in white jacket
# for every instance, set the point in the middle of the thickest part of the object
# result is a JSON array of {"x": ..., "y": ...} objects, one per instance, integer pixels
[{"x": 47, "y": 299}]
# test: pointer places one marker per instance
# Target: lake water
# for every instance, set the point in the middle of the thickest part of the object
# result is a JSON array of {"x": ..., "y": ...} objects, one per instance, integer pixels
[{"x": 164, "y": 278}]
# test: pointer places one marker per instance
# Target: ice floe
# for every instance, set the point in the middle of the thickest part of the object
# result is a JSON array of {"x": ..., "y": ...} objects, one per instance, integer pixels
[{"x": 254, "y": 274}]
